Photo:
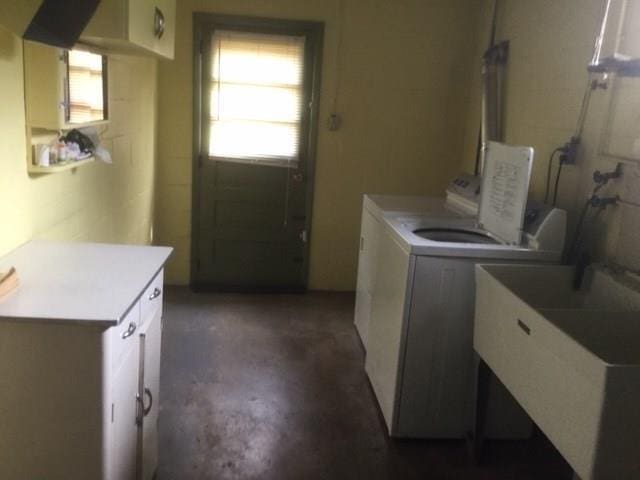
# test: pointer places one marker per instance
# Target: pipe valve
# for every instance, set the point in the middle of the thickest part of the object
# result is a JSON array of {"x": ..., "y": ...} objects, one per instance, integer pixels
[
  {"x": 602, "y": 178},
  {"x": 603, "y": 202}
]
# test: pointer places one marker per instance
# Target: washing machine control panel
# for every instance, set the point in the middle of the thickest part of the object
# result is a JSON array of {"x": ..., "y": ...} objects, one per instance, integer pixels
[{"x": 466, "y": 186}]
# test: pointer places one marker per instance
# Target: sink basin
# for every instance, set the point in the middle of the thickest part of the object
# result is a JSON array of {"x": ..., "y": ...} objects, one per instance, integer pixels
[
  {"x": 570, "y": 358},
  {"x": 551, "y": 287},
  {"x": 455, "y": 235}
]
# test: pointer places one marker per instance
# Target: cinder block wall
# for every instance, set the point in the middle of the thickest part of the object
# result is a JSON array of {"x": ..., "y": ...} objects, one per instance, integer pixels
[
  {"x": 551, "y": 44},
  {"x": 96, "y": 202}
]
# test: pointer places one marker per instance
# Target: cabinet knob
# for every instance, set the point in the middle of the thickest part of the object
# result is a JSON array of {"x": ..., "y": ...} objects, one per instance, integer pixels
[
  {"x": 155, "y": 294},
  {"x": 129, "y": 331},
  {"x": 158, "y": 23}
]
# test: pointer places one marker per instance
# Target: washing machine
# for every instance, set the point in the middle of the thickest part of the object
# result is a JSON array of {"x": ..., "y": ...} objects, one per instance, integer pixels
[
  {"x": 420, "y": 359},
  {"x": 460, "y": 201}
]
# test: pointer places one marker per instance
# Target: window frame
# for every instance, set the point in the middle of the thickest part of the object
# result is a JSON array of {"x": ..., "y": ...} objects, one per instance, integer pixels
[{"x": 67, "y": 87}]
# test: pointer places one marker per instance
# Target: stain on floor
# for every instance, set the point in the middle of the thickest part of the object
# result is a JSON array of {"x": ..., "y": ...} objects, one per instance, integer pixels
[{"x": 273, "y": 387}]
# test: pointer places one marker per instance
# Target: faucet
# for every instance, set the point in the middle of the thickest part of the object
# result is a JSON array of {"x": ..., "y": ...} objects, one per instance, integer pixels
[
  {"x": 593, "y": 201},
  {"x": 602, "y": 178},
  {"x": 584, "y": 260},
  {"x": 603, "y": 202}
]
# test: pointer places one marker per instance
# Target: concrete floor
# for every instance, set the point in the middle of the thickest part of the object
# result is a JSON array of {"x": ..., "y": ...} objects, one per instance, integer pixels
[{"x": 273, "y": 387}]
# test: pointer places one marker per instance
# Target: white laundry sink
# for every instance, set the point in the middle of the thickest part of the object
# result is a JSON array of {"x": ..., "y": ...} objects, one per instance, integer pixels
[{"x": 570, "y": 358}]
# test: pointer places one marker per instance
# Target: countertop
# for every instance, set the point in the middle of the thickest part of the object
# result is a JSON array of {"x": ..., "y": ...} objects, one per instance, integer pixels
[{"x": 89, "y": 283}]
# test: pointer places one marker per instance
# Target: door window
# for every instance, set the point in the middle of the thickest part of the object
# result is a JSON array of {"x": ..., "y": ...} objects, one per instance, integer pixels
[{"x": 256, "y": 96}]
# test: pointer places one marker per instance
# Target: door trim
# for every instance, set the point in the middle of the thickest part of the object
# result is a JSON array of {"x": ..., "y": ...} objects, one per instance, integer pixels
[{"x": 314, "y": 33}]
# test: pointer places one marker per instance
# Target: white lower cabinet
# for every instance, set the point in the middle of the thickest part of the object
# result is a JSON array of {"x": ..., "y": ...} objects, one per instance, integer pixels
[{"x": 79, "y": 398}]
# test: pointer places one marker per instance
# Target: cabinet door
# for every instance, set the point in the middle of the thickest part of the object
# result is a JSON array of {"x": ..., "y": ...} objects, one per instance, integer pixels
[
  {"x": 149, "y": 384},
  {"x": 164, "y": 44},
  {"x": 152, "y": 25},
  {"x": 43, "y": 79},
  {"x": 124, "y": 429},
  {"x": 141, "y": 23}
]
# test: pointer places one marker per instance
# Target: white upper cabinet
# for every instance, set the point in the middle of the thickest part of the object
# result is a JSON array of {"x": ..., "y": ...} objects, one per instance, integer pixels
[
  {"x": 133, "y": 26},
  {"x": 16, "y": 15},
  {"x": 64, "y": 89}
]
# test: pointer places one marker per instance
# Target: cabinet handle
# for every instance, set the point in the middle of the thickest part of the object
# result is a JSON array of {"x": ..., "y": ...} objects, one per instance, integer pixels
[
  {"x": 155, "y": 294},
  {"x": 158, "y": 23},
  {"x": 146, "y": 410},
  {"x": 139, "y": 410},
  {"x": 524, "y": 327},
  {"x": 129, "y": 331}
]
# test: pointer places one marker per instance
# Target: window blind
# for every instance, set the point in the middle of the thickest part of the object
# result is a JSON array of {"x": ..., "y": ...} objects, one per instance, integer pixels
[
  {"x": 256, "y": 96},
  {"x": 86, "y": 95}
]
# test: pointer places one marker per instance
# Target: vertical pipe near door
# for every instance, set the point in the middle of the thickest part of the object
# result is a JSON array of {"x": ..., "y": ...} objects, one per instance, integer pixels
[{"x": 493, "y": 65}]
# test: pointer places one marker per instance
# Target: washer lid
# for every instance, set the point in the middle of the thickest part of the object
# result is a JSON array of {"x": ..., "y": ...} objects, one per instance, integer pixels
[{"x": 505, "y": 185}]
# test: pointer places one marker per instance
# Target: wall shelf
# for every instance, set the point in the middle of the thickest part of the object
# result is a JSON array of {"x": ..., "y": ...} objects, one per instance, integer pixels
[{"x": 60, "y": 167}]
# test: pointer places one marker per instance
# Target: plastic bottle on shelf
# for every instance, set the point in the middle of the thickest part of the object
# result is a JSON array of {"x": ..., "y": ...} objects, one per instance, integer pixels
[
  {"x": 53, "y": 153},
  {"x": 62, "y": 152}
]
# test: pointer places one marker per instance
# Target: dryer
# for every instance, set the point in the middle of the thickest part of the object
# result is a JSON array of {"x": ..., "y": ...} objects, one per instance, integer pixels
[{"x": 420, "y": 358}]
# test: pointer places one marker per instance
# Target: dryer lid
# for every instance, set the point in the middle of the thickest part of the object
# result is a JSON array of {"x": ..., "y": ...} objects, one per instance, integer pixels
[{"x": 505, "y": 186}]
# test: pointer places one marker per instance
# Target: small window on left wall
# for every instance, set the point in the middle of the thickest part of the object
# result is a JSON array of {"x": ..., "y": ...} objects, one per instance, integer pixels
[{"x": 86, "y": 87}]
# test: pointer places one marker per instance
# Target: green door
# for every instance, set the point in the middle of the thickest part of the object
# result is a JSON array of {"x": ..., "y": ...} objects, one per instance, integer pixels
[{"x": 256, "y": 97}]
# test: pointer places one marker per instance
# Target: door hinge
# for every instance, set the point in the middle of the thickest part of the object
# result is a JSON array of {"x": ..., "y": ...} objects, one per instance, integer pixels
[
  {"x": 113, "y": 406},
  {"x": 303, "y": 236},
  {"x": 200, "y": 161}
]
